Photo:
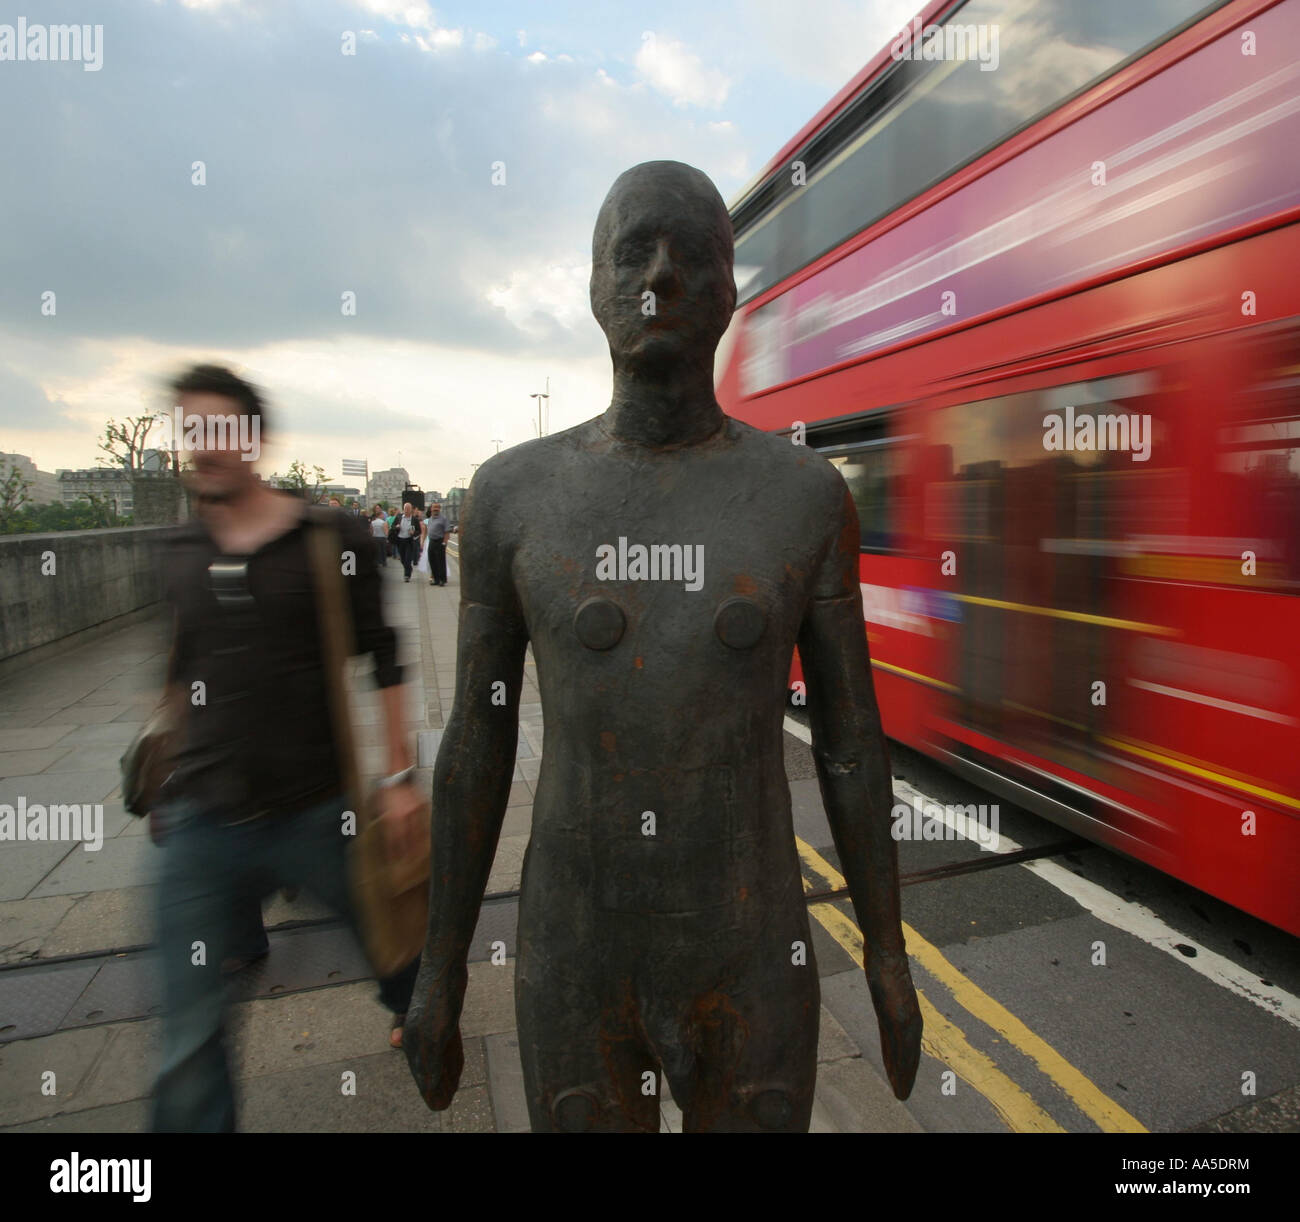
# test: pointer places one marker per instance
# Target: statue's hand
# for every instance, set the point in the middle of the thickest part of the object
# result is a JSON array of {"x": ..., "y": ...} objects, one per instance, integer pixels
[
  {"x": 899, "y": 1015},
  {"x": 431, "y": 1041}
]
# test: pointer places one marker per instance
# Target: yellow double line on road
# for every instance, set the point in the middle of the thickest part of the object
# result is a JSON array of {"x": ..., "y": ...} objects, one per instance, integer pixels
[{"x": 944, "y": 1041}]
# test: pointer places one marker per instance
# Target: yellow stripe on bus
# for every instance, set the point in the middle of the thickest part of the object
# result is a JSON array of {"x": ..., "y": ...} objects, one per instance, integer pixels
[
  {"x": 1199, "y": 769},
  {"x": 911, "y": 674},
  {"x": 1103, "y": 1111},
  {"x": 1081, "y": 617}
]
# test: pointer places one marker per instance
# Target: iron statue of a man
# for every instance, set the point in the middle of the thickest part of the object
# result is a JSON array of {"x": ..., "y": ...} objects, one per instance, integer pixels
[{"x": 664, "y": 560}]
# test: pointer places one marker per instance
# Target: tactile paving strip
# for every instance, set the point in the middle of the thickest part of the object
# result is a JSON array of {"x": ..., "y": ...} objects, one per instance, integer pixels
[
  {"x": 497, "y": 921},
  {"x": 125, "y": 987},
  {"x": 40, "y": 999},
  {"x": 303, "y": 959},
  {"x": 34, "y": 1000}
]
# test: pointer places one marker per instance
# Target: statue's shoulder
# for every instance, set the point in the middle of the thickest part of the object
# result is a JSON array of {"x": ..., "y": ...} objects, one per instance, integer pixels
[
  {"x": 799, "y": 467},
  {"x": 514, "y": 472}
]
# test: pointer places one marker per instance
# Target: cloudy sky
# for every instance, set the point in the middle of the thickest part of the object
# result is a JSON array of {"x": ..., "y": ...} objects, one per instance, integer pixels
[{"x": 369, "y": 174}]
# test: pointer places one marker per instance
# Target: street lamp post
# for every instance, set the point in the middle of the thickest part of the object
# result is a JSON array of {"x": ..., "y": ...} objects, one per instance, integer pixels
[{"x": 539, "y": 396}]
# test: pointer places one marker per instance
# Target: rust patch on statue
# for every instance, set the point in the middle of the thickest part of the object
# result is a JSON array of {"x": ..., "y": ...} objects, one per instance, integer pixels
[
  {"x": 719, "y": 1033},
  {"x": 608, "y": 740}
]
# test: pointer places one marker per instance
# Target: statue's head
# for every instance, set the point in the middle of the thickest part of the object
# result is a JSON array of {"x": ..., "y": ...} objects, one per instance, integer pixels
[{"x": 663, "y": 230}]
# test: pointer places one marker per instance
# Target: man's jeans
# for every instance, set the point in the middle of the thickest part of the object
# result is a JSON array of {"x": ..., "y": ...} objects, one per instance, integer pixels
[
  {"x": 438, "y": 560},
  {"x": 409, "y": 551},
  {"x": 381, "y": 546},
  {"x": 211, "y": 872}
]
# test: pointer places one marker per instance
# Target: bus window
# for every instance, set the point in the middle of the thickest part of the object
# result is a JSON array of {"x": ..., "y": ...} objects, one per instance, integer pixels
[
  {"x": 1259, "y": 459},
  {"x": 870, "y": 460},
  {"x": 921, "y": 120}
]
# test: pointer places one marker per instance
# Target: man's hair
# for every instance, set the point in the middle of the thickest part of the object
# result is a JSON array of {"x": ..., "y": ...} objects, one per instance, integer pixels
[{"x": 218, "y": 380}]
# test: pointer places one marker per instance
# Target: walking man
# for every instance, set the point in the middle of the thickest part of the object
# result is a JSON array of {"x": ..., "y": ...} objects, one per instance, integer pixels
[
  {"x": 250, "y": 807},
  {"x": 438, "y": 528},
  {"x": 405, "y": 534}
]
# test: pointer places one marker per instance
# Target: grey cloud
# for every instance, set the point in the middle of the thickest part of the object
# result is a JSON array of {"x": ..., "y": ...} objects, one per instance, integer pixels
[
  {"x": 25, "y": 405},
  {"x": 325, "y": 173}
]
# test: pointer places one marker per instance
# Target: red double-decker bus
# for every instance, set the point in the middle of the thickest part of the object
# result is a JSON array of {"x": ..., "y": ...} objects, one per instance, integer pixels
[{"x": 1032, "y": 282}]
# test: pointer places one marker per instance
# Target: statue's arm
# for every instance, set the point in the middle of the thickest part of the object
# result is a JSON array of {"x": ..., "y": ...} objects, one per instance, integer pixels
[
  {"x": 471, "y": 788},
  {"x": 853, "y": 771}
]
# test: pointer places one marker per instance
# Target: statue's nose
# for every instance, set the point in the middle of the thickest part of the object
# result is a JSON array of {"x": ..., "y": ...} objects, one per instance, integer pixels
[{"x": 662, "y": 272}]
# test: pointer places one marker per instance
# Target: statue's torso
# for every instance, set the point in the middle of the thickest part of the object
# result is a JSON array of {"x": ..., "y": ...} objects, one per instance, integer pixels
[{"x": 663, "y": 593}]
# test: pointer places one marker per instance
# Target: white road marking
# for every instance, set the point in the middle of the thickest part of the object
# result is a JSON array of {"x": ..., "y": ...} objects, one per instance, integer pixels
[{"x": 1123, "y": 914}]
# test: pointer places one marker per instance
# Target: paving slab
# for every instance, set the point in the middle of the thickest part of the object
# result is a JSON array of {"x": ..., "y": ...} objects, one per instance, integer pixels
[
  {"x": 24, "y": 1088},
  {"x": 489, "y": 999},
  {"x": 24, "y": 863},
  {"x": 127, "y": 861},
  {"x": 380, "y": 1098},
  {"x": 103, "y": 733},
  {"x": 81, "y": 714},
  {"x": 80, "y": 786},
  {"x": 853, "y": 1098},
  {"x": 27, "y": 738},
  {"x": 126, "y": 1069},
  {"x": 505, "y": 1076},
  {"x": 20, "y": 763},
  {"x": 101, "y": 920},
  {"x": 87, "y": 756},
  {"x": 26, "y": 925},
  {"x": 116, "y": 1118},
  {"x": 518, "y": 820},
  {"x": 271, "y": 1035},
  {"x": 508, "y": 865}
]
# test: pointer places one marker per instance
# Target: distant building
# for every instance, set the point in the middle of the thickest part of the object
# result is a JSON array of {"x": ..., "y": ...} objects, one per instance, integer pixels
[
  {"x": 451, "y": 505},
  {"x": 42, "y": 486},
  {"x": 102, "y": 483},
  {"x": 387, "y": 486},
  {"x": 342, "y": 491}
]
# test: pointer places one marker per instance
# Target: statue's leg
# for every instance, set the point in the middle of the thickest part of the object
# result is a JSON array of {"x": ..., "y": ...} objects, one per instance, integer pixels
[
  {"x": 755, "y": 1067},
  {"x": 583, "y": 1051}
]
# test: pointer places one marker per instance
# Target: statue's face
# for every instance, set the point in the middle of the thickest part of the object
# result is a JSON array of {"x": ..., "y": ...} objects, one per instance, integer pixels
[{"x": 662, "y": 286}]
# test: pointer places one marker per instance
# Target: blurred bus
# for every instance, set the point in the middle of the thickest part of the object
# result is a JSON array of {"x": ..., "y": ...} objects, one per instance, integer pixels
[{"x": 1032, "y": 282}]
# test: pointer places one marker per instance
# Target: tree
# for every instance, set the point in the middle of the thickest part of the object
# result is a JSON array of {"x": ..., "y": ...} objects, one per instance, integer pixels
[
  {"x": 13, "y": 495},
  {"x": 298, "y": 480},
  {"x": 125, "y": 443},
  {"x": 81, "y": 515}
]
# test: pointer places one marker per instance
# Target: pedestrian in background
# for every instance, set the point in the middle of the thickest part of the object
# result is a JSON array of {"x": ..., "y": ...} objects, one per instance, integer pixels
[
  {"x": 437, "y": 529},
  {"x": 405, "y": 536},
  {"x": 379, "y": 529}
]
